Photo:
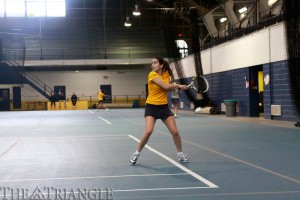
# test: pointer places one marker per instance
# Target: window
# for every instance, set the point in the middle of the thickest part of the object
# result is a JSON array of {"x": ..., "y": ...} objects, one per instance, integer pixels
[
  {"x": 15, "y": 8},
  {"x": 1, "y": 8},
  {"x": 36, "y": 8},
  {"x": 32, "y": 8},
  {"x": 56, "y": 8},
  {"x": 183, "y": 48}
]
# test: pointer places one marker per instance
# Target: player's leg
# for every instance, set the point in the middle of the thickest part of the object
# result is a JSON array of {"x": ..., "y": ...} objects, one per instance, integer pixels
[
  {"x": 171, "y": 124},
  {"x": 175, "y": 108},
  {"x": 149, "y": 123},
  {"x": 97, "y": 104},
  {"x": 149, "y": 126},
  {"x": 106, "y": 108}
]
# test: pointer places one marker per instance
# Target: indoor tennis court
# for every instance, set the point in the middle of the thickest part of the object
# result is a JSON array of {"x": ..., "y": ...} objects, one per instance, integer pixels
[{"x": 84, "y": 154}]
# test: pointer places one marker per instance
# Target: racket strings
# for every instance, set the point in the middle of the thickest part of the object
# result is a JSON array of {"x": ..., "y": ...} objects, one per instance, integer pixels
[{"x": 192, "y": 86}]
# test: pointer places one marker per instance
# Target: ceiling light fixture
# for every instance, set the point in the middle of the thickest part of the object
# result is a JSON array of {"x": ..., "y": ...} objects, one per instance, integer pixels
[
  {"x": 136, "y": 11},
  {"x": 271, "y": 2},
  {"x": 224, "y": 19},
  {"x": 242, "y": 10},
  {"x": 127, "y": 23}
]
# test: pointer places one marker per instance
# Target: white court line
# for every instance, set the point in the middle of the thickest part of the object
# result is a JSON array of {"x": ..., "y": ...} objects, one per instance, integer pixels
[
  {"x": 75, "y": 139},
  {"x": 160, "y": 189},
  {"x": 104, "y": 120},
  {"x": 244, "y": 162},
  {"x": 195, "y": 175},
  {"x": 66, "y": 137},
  {"x": 90, "y": 177},
  {"x": 237, "y": 159},
  {"x": 100, "y": 117}
]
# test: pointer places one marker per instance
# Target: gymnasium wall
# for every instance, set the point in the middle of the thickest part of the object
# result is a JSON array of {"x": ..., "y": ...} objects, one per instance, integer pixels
[
  {"x": 230, "y": 85},
  {"x": 227, "y": 67},
  {"x": 278, "y": 92},
  {"x": 84, "y": 83},
  {"x": 264, "y": 46}
]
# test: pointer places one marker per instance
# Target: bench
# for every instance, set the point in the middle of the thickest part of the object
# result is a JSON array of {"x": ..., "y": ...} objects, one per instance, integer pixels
[
  {"x": 80, "y": 105},
  {"x": 35, "y": 103}
]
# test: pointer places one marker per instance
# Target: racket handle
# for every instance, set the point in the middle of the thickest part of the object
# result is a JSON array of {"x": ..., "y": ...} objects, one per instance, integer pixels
[{"x": 190, "y": 85}]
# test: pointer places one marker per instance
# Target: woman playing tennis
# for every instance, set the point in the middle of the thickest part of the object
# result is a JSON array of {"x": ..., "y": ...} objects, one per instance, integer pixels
[
  {"x": 157, "y": 106},
  {"x": 100, "y": 101}
]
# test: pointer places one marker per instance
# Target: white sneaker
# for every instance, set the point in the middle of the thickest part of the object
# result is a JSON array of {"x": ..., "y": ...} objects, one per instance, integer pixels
[
  {"x": 182, "y": 158},
  {"x": 134, "y": 158},
  {"x": 107, "y": 109},
  {"x": 175, "y": 116}
]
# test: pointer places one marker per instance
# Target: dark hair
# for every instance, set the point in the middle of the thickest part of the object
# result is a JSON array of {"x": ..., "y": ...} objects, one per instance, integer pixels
[{"x": 166, "y": 66}]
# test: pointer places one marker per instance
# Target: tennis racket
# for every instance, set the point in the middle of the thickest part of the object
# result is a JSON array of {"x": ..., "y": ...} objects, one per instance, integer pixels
[
  {"x": 199, "y": 84},
  {"x": 107, "y": 97}
]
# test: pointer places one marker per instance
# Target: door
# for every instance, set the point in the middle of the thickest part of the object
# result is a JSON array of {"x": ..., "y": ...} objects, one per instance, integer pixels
[
  {"x": 106, "y": 89},
  {"x": 254, "y": 91},
  {"x": 59, "y": 89},
  {"x": 261, "y": 93},
  {"x": 17, "y": 97},
  {"x": 4, "y": 100}
]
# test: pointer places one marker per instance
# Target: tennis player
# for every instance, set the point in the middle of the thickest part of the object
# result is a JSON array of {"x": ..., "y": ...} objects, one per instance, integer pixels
[
  {"x": 175, "y": 100},
  {"x": 62, "y": 99},
  {"x": 100, "y": 101},
  {"x": 157, "y": 106}
]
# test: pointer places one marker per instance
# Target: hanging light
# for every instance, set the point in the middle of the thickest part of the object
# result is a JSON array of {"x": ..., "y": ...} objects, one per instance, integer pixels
[
  {"x": 242, "y": 10},
  {"x": 127, "y": 23},
  {"x": 136, "y": 11},
  {"x": 224, "y": 19},
  {"x": 271, "y": 2}
]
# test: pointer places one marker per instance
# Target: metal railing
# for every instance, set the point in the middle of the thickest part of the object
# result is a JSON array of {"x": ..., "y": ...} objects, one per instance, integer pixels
[
  {"x": 114, "y": 99},
  {"x": 93, "y": 53},
  {"x": 230, "y": 33},
  {"x": 39, "y": 84}
]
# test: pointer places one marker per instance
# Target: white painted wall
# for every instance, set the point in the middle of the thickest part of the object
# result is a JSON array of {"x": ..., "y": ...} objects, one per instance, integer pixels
[
  {"x": 87, "y": 83},
  {"x": 264, "y": 46}
]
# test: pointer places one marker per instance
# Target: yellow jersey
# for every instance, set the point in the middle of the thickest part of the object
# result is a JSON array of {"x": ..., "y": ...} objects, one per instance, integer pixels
[
  {"x": 156, "y": 94},
  {"x": 100, "y": 96}
]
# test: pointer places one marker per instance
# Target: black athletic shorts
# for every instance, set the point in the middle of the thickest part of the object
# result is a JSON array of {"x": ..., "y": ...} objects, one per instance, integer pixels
[
  {"x": 174, "y": 100},
  {"x": 158, "y": 111}
]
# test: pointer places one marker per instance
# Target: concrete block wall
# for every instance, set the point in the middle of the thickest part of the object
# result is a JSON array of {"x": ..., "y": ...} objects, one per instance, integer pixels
[{"x": 278, "y": 92}]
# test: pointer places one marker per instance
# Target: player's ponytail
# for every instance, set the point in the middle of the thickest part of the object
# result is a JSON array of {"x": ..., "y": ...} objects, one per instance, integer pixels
[{"x": 166, "y": 66}]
